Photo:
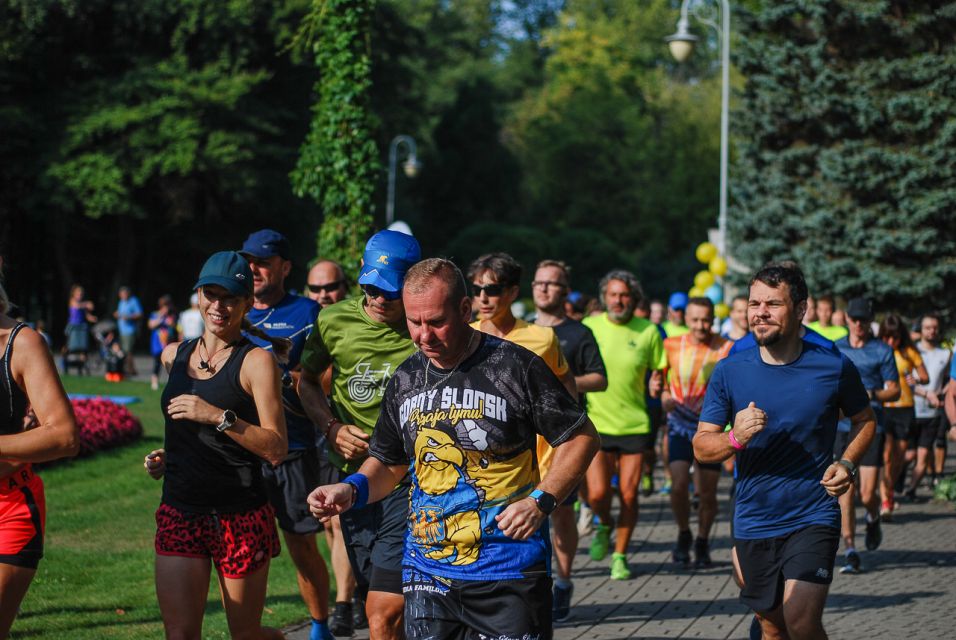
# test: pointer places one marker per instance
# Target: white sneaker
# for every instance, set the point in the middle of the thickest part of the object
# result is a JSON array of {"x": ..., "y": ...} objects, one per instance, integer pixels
[{"x": 585, "y": 520}]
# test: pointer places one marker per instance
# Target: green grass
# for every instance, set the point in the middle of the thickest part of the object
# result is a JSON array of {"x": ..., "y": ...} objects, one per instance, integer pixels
[{"x": 96, "y": 578}]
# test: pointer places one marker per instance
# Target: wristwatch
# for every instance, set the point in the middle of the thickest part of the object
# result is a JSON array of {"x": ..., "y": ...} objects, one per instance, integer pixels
[
  {"x": 227, "y": 421},
  {"x": 546, "y": 502},
  {"x": 852, "y": 468}
]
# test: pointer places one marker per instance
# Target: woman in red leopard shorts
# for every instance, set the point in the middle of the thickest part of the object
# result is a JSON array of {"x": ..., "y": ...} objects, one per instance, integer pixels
[
  {"x": 223, "y": 417},
  {"x": 28, "y": 379}
]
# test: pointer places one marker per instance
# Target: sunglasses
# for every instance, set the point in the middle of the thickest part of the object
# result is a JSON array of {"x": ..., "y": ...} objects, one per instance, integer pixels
[
  {"x": 327, "y": 288},
  {"x": 375, "y": 292},
  {"x": 491, "y": 290}
]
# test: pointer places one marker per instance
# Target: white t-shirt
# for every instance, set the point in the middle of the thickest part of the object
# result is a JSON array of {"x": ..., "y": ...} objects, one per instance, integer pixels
[
  {"x": 936, "y": 361},
  {"x": 190, "y": 324}
]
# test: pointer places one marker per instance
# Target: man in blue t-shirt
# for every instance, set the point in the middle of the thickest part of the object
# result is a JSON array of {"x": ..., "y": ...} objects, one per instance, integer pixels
[
  {"x": 877, "y": 367},
  {"x": 128, "y": 314},
  {"x": 783, "y": 400},
  {"x": 282, "y": 314}
]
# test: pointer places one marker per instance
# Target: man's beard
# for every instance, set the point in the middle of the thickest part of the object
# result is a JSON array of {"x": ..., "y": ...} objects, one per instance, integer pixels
[
  {"x": 620, "y": 316},
  {"x": 768, "y": 339}
]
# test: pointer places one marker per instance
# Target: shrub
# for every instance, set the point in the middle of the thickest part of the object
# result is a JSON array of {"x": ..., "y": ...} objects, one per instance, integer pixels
[{"x": 104, "y": 424}]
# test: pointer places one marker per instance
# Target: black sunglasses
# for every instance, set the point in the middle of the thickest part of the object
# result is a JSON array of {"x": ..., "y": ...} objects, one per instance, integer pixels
[
  {"x": 327, "y": 288},
  {"x": 491, "y": 290},
  {"x": 374, "y": 292}
]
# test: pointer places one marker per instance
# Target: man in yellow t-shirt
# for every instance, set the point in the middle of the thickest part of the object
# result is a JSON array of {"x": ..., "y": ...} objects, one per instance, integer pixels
[{"x": 630, "y": 347}]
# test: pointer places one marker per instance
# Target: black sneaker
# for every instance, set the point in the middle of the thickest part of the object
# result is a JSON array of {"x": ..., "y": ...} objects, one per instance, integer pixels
[
  {"x": 359, "y": 621},
  {"x": 340, "y": 622},
  {"x": 874, "y": 535},
  {"x": 682, "y": 550},
  {"x": 702, "y": 554},
  {"x": 561, "y": 608}
]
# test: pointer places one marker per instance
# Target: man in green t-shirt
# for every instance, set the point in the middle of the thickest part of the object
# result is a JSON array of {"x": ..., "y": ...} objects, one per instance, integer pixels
[
  {"x": 824, "y": 322},
  {"x": 630, "y": 347},
  {"x": 364, "y": 340}
]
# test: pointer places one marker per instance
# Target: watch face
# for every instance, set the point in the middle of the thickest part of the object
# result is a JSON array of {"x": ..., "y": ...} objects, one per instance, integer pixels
[
  {"x": 547, "y": 502},
  {"x": 230, "y": 416}
]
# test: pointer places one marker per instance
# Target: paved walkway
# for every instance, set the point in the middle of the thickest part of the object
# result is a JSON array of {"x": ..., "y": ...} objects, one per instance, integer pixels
[{"x": 907, "y": 589}]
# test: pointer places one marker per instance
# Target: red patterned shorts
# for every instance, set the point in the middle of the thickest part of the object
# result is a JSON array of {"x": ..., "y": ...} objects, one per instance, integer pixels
[
  {"x": 22, "y": 518},
  {"x": 238, "y": 543}
]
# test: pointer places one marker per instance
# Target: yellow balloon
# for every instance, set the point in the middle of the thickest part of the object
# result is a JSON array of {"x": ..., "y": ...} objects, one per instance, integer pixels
[
  {"x": 718, "y": 266},
  {"x": 706, "y": 252},
  {"x": 703, "y": 279},
  {"x": 695, "y": 292},
  {"x": 721, "y": 310}
]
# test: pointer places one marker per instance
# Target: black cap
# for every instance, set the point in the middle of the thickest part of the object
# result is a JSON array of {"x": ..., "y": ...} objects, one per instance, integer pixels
[{"x": 859, "y": 309}]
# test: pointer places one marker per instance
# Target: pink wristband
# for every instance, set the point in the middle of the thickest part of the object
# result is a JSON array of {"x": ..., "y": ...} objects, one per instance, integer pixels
[{"x": 733, "y": 441}]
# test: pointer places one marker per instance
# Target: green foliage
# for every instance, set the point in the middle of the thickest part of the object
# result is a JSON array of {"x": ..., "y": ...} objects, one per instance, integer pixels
[
  {"x": 846, "y": 147},
  {"x": 339, "y": 161},
  {"x": 946, "y": 489}
]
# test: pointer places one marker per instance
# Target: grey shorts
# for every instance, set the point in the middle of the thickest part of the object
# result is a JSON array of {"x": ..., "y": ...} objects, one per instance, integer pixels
[{"x": 289, "y": 486}]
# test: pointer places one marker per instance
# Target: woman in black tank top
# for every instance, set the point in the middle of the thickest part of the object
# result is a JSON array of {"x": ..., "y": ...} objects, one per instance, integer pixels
[
  {"x": 28, "y": 380},
  {"x": 224, "y": 416}
]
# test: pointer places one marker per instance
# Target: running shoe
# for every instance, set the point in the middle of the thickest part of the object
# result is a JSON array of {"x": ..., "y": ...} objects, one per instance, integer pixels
[
  {"x": 756, "y": 631},
  {"x": 585, "y": 520},
  {"x": 562, "y": 602},
  {"x": 600, "y": 542},
  {"x": 910, "y": 495},
  {"x": 886, "y": 511},
  {"x": 874, "y": 534},
  {"x": 682, "y": 549},
  {"x": 340, "y": 622},
  {"x": 619, "y": 568},
  {"x": 851, "y": 563},
  {"x": 359, "y": 619},
  {"x": 647, "y": 485},
  {"x": 702, "y": 554},
  {"x": 666, "y": 489}
]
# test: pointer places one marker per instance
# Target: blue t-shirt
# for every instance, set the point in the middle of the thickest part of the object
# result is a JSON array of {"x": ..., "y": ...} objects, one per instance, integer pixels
[
  {"x": 292, "y": 317},
  {"x": 952, "y": 366},
  {"x": 779, "y": 473},
  {"x": 128, "y": 307},
  {"x": 876, "y": 364},
  {"x": 811, "y": 336}
]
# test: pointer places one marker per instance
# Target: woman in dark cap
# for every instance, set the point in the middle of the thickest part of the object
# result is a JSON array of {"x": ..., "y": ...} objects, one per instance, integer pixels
[{"x": 224, "y": 416}]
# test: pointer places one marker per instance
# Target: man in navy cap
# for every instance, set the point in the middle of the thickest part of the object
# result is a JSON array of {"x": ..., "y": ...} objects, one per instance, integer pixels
[
  {"x": 281, "y": 314},
  {"x": 364, "y": 340}
]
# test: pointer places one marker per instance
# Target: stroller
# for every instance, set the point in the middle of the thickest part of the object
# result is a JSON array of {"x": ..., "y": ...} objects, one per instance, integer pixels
[{"x": 110, "y": 353}]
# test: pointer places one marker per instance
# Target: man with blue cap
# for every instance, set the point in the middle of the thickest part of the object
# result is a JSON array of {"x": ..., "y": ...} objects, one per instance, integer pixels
[
  {"x": 674, "y": 325},
  {"x": 280, "y": 314},
  {"x": 364, "y": 339}
]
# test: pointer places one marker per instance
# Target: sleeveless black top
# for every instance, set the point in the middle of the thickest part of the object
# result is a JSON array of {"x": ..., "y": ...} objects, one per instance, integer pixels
[
  {"x": 13, "y": 402},
  {"x": 207, "y": 471}
]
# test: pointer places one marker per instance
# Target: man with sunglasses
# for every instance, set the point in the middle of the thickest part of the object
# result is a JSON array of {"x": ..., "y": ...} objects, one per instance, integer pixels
[
  {"x": 326, "y": 283},
  {"x": 282, "y": 314},
  {"x": 364, "y": 340}
]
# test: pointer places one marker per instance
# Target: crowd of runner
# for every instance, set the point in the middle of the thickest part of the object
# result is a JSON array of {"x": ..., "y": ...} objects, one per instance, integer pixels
[{"x": 454, "y": 452}]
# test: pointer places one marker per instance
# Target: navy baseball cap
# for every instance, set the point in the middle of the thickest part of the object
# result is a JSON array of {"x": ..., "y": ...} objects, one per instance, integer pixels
[
  {"x": 229, "y": 270},
  {"x": 388, "y": 255},
  {"x": 678, "y": 301},
  {"x": 859, "y": 309},
  {"x": 266, "y": 243}
]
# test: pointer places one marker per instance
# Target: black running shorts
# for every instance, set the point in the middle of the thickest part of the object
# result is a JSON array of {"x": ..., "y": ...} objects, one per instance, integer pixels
[
  {"x": 873, "y": 456},
  {"x": 445, "y": 609},
  {"x": 289, "y": 486},
  {"x": 638, "y": 443},
  {"x": 375, "y": 541},
  {"x": 805, "y": 554}
]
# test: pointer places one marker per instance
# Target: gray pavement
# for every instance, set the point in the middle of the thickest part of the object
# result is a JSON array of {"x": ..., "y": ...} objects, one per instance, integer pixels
[{"x": 906, "y": 591}]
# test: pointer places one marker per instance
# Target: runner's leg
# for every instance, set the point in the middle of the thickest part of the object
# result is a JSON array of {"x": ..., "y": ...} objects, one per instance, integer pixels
[
  {"x": 14, "y": 582},
  {"x": 182, "y": 585},
  {"x": 629, "y": 477},
  {"x": 243, "y": 600}
]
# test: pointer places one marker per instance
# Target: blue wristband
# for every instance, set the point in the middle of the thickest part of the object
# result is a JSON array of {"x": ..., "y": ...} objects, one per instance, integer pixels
[{"x": 360, "y": 482}]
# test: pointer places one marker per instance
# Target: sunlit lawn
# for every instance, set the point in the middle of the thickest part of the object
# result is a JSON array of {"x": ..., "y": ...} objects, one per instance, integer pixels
[{"x": 96, "y": 579}]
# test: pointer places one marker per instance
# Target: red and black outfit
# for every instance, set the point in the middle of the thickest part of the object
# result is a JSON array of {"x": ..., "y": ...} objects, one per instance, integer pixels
[
  {"x": 22, "y": 502},
  {"x": 215, "y": 503}
]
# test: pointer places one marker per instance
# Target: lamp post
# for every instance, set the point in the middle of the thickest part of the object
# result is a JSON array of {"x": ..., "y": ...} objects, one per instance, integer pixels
[
  {"x": 411, "y": 166},
  {"x": 681, "y": 45}
]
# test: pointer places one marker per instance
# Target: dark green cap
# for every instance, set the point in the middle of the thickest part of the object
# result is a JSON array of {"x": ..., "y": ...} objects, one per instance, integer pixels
[{"x": 229, "y": 270}]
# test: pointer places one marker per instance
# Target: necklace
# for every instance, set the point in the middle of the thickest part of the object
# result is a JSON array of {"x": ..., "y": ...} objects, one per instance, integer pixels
[
  {"x": 462, "y": 358},
  {"x": 206, "y": 364}
]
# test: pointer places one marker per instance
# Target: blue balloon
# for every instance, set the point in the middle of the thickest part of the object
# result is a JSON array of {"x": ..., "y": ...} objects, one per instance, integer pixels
[{"x": 716, "y": 293}]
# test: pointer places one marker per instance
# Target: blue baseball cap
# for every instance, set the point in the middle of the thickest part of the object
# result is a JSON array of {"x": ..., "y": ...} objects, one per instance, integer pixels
[
  {"x": 388, "y": 255},
  {"x": 229, "y": 270},
  {"x": 266, "y": 243},
  {"x": 678, "y": 301}
]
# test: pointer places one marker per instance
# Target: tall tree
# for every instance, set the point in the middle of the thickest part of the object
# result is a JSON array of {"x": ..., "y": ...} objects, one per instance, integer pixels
[
  {"x": 848, "y": 147},
  {"x": 339, "y": 162}
]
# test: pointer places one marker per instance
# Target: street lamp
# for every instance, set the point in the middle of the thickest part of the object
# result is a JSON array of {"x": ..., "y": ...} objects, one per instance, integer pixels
[
  {"x": 411, "y": 167},
  {"x": 681, "y": 45}
]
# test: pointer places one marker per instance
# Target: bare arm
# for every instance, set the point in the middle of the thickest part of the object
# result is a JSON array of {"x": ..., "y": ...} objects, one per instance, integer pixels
[
  {"x": 590, "y": 382},
  {"x": 711, "y": 444},
  {"x": 950, "y": 407},
  {"x": 348, "y": 440},
  {"x": 571, "y": 459},
  {"x": 889, "y": 393},
  {"x": 55, "y": 434},
  {"x": 332, "y": 499}
]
